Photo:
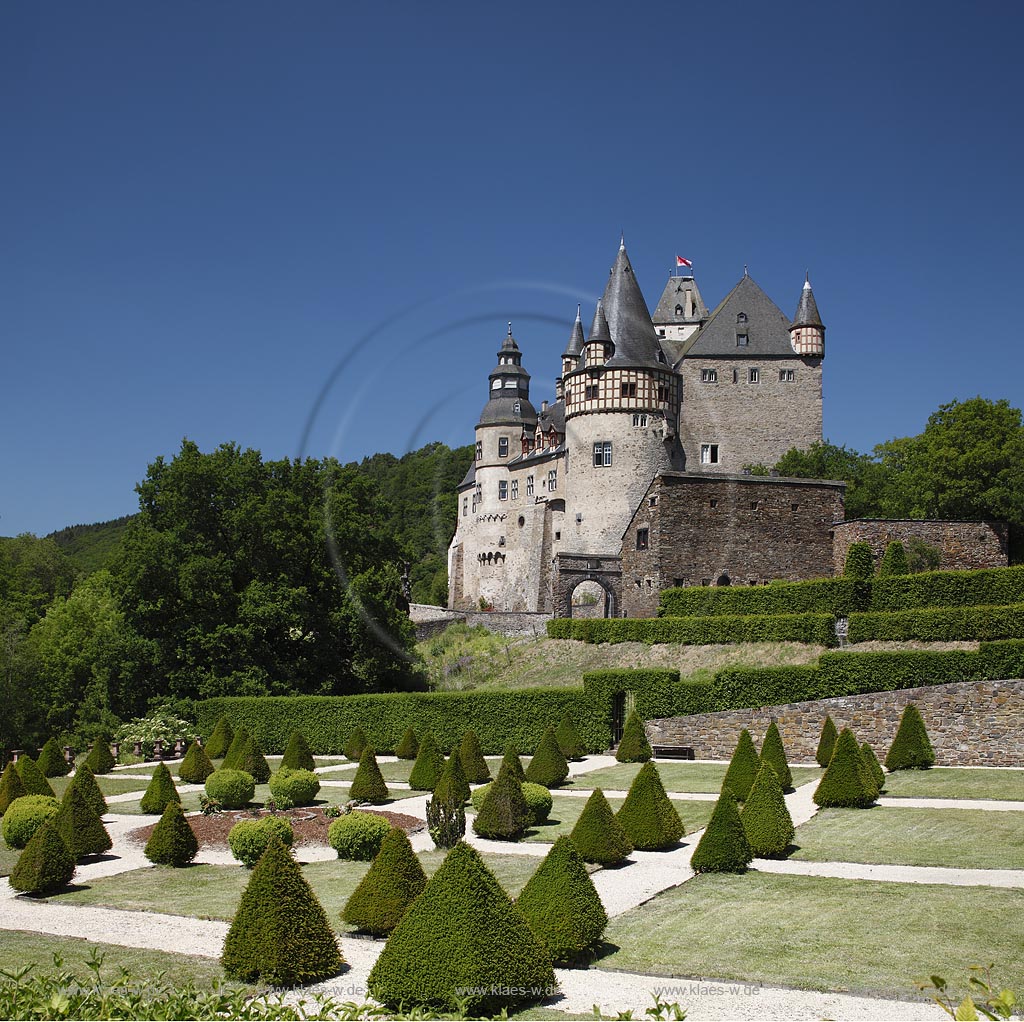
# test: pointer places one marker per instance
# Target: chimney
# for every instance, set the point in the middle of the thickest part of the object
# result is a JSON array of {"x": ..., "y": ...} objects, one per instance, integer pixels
[{"x": 543, "y": 406}]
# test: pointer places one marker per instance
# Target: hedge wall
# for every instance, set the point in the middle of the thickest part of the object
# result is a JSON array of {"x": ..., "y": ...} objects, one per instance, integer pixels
[
  {"x": 1002, "y": 660},
  {"x": 327, "y": 721},
  {"x": 837, "y": 596},
  {"x": 658, "y": 693},
  {"x": 986, "y": 587},
  {"x": 738, "y": 688},
  {"x": 697, "y": 631},
  {"x": 940, "y": 624}
]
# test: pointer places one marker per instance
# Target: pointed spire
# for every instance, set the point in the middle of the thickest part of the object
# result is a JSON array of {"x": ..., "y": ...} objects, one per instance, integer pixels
[
  {"x": 629, "y": 319},
  {"x": 807, "y": 310},
  {"x": 576, "y": 340},
  {"x": 509, "y": 344},
  {"x": 599, "y": 330},
  {"x": 622, "y": 241}
]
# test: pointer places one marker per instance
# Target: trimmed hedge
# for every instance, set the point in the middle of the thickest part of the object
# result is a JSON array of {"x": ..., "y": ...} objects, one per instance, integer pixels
[
  {"x": 598, "y": 836},
  {"x": 100, "y": 760},
  {"x": 985, "y": 587},
  {"x": 659, "y": 693},
  {"x": 80, "y": 826},
  {"x": 45, "y": 865},
  {"x": 220, "y": 739},
  {"x": 743, "y": 767},
  {"x": 826, "y": 742},
  {"x": 84, "y": 782},
  {"x": 429, "y": 766},
  {"x": 724, "y": 847},
  {"x": 940, "y": 624},
  {"x": 358, "y": 835},
  {"x": 765, "y": 817},
  {"x": 473, "y": 764},
  {"x": 299, "y": 787},
  {"x": 233, "y": 789},
  {"x": 409, "y": 746},
  {"x": 911, "y": 749},
  {"x": 547, "y": 766},
  {"x": 503, "y": 814},
  {"x": 848, "y": 782},
  {"x": 538, "y": 800},
  {"x": 452, "y": 785},
  {"x": 11, "y": 787},
  {"x": 836, "y": 596},
  {"x": 700, "y": 631},
  {"x": 648, "y": 816},
  {"x": 634, "y": 746},
  {"x": 297, "y": 755}
]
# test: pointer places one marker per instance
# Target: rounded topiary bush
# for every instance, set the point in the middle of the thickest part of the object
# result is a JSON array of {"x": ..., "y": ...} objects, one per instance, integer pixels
[
  {"x": 548, "y": 765},
  {"x": 85, "y": 784},
  {"x": 504, "y": 814},
  {"x": 598, "y": 836},
  {"x": 562, "y": 906},
  {"x": 911, "y": 749},
  {"x": 773, "y": 752},
  {"x": 297, "y": 756},
  {"x": 233, "y": 789},
  {"x": 100, "y": 760},
  {"x": 859, "y": 561},
  {"x": 724, "y": 847},
  {"x": 648, "y": 816},
  {"x": 25, "y": 816},
  {"x": 409, "y": 746},
  {"x": 634, "y": 747},
  {"x": 280, "y": 934},
  {"x": 11, "y": 787},
  {"x": 51, "y": 760},
  {"x": 826, "y": 743},
  {"x": 357, "y": 835},
  {"x": 248, "y": 839},
  {"x": 196, "y": 766},
  {"x": 569, "y": 740},
  {"x": 394, "y": 881},
  {"x": 765, "y": 817},
  {"x": 161, "y": 791},
  {"x": 355, "y": 744},
  {"x": 743, "y": 767},
  {"x": 296, "y": 787},
  {"x": 847, "y": 782},
  {"x": 45, "y": 865},
  {"x": 538, "y": 801},
  {"x": 220, "y": 739},
  {"x": 429, "y": 766},
  {"x": 173, "y": 841},
  {"x": 80, "y": 826},
  {"x": 32, "y": 777},
  {"x": 368, "y": 784},
  {"x": 474, "y": 766}
]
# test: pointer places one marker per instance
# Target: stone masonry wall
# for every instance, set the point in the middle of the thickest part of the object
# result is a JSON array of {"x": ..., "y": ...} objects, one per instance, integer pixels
[
  {"x": 970, "y": 724},
  {"x": 964, "y": 545}
]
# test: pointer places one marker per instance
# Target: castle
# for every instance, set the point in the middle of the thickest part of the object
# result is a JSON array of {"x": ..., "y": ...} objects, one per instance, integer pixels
[{"x": 633, "y": 478}]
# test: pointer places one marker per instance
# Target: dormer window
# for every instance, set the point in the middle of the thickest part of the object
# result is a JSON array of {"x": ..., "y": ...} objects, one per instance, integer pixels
[
  {"x": 510, "y": 384},
  {"x": 496, "y": 385},
  {"x": 741, "y": 317},
  {"x": 517, "y": 407},
  {"x": 742, "y": 339},
  {"x": 679, "y": 310}
]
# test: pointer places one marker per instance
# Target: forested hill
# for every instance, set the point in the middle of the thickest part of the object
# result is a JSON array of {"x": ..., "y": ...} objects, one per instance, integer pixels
[{"x": 91, "y": 547}]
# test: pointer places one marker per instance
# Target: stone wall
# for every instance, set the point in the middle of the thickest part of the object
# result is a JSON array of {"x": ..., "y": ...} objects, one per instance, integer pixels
[
  {"x": 977, "y": 723},
  {"x": 704, "y": 529},
  {"x": 510, "y": 624},
  {"x": 964, "y": 545}
]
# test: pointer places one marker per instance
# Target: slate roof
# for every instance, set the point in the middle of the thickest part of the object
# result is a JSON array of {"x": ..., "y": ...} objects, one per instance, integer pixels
[
  {"x": 469, "y": 478},
  {"x": 807, "y": 310},
  {"x": 629, "y": 319},
  {"x": 500, "y": 411},
  {"x": 576, "y": 340},
  {"x": 599, "y": 329},
  {"x": 673, "y": 295},
  {"x": 766, "y": 326},
  {"x": 553, "y": 418}
]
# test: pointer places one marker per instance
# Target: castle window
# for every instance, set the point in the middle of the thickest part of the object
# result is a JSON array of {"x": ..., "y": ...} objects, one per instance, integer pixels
[
  {"x": 558, "y": 535},
  {"x": 709, "y": 454},
  {"x": 661, "y": 331},
  {"x": 741, "y": 317},
  {"x": 629, "y": 390},
  {"x": 639, "y": 420},
  {"x": 754, "y": 505},
  {"x": 553, "y": 479},
  {"x": 465, "y": 505},
  {"x": 590, "y": 392},
  {"x": 714, "y": 503},
  {"x": 662, "y": 393},
  {"x": 755, "y": 376},
  {"x": 709, "y": 376},
  {"x": 679, "y": 310},
  {"x": 652, "y": 502},
  {"x": 786, "y": 375},
  {"x": 479, "y": 449},
  {"x": 510, "y": 384},
  {"x": 496, "y": 385},
  {"x": 742, "y": 339},
  {"x": 502, "y": 489},
  {"x": 529, "y": 486},
  {"x": 503, "y": 447},
  {"x": 642, "y": 539},
  {"x": 735, "y": 376},
  {"x": 517, "y": 407},
  {"x": 603, "y": 454},
  {"x": 794, "y": 507},
  {"x": 568, "y": 398},
  {"x": 515, "y": 489}
]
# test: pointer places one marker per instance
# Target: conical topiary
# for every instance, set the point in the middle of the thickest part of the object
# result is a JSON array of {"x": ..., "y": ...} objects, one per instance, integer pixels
[
  {"x": 280, "y": 934},
  {"x": 11, "y": 787},
  {"x": 743, "y": 767},
  {"x": 235, "y": 749},
  {"x": 80, "y": 826},
  {"x": 100, "y": 760},
  {"x": 32, "y": 777},
  {"x": 173, "y": 842},
  {"x": 598, "y": 836},
  {"x": 409, "y": 746},
  {"x": 453, "y": 786},
  {"x": 355, "y": 744},
  {"x": 161, "y": 791},
  {"x": 392, "y": 883},
  {"x": 894, "y": 560},
  {"x": 474, "y": 766},
  {"x": 826, "y": 743},
  {"x": 250, "y": 759},
  {"x": 462, "y": 945},
  {"x": 504, "y": 814},
  {"x": 634, "y": 747},
  {"x": 196, "y": 766},
  {"x": 89, "y": 789},
  {"x": 765, "y": 817},
  {"x": 724, "y": 847},
  {"x": 297, "y": 755},
  {"x": 51, "y": 760},
  {"x": 429, "y": 766},
  {"x": 220, "y": 739},
  {"x": 368, "y": 784},
  {"x": 569, "y": 740},
  {"x": 561, "y": 904},
  {"x": 548, "y": 765},
  {"x": 847, "y": 782},
  {"x": 859, "y": 561},
  {"x": 911, "y": 749},
  {"x": 513, "y": 762},
  {"x": 773, "y": 752},
  {"x": 647, "y": 816},
  {"x": 873, "y": 765},
  {"x": 45, "y": 865}
]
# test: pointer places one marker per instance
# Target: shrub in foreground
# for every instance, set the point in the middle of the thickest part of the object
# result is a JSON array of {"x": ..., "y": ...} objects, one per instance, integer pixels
[
  {"x": 11, "y": 787},
  {"x": 446, "y": 821},
  {"x": 51, "y": 760},
  {"x": 504, "y": 814},
  {"x": 86, "y": 785},
  {"x": 173, "y": 841},
  {"x": 548, "y": 765},
  {"x": 160, "y": 792},
  {"x": 32, "y": 777},
  {"x": 765, "y": 817},
  {"x": 826, "y": 743},
  {"x": 357, "y": 836},
  {"x": 25, "y": 816},
  {"x": 462, "y": 934},
  {"x": 561, "y": 904},
  {"x": 45, "y": 865},
  {"x": 847, "y": 782},
  {"x": 724, "y": 847},
  {"x": 295, "y": 787},
  {"x": 773, "y": 752},
  {"x": 394, "y": 881},
  {"x": 598, "y": 836},
  {"x": 538, "y": 800},
  {"x": 297, "y": 754},
  {"x": 634, "y": 747},
  {"x": 873, "y": 765},
  {"x": 220, "y": 739},
  {"x": 474, "y": 766},
  {"x": 249, "y": 839},
  {"x": 368, "y": 784},
  {"x": 79, "y": 825},
  {"x": 100, "y": 760},
  {"x": 409, "y": 746},
  {"x": 429, "y": 766},
  {"x": 743, "y": 767},
  {"x": 569, "y": 740},
  {"x": 280, "y": 934},
  {"x": 233, "y": 789},
  {"x": 648, "y": 816},
  {"x": 911, "y": 749},
  {"x": 196, "y": 766}
]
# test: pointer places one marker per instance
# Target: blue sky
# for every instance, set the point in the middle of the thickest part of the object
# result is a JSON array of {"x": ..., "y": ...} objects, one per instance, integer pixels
[{"x": 206, "y": 210}]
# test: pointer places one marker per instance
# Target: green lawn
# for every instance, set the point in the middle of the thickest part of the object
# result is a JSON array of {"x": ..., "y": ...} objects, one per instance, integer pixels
[
  {"x": 821, "y": 933},
  {"x": 8, "y": 857},
  {"x": 694, "y": 777},
  {"x": 963, "y": 838},
  {"x": 567, "y": 808},
  {"x": 109, "y": 784},
  {"x": 213, "y": 892},
  {"x": 956, "y": 782}
]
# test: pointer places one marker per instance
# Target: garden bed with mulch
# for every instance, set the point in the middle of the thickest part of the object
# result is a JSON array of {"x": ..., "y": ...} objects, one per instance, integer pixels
[{"x": 308, "y": 825}]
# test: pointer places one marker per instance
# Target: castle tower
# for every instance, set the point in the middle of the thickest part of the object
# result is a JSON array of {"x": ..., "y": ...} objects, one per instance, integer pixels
[
  {"x": 621, "y": 404},
  {"x": 807, "y": 332},
  {"x": 572, "y": 355},
  {"x": 680, "y": 312}
]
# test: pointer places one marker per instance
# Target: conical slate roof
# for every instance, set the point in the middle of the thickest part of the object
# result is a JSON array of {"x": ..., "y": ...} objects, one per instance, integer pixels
[
  {"x": 509, "y": 344},
  {"x": 576, "y": 340},
  {"x": 629, "y": 319},
  {"x": 807, "y": 310},
  {"x": 599, "y": 329},
  {"x": 674, "y": 297}
]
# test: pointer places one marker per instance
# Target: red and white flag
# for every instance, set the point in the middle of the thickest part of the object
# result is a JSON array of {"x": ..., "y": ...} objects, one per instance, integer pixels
[{"x": 680, "y": 261}]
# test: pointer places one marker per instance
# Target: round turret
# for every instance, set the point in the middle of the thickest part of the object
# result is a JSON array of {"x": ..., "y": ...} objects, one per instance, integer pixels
[{"x": 807, "y": 332}]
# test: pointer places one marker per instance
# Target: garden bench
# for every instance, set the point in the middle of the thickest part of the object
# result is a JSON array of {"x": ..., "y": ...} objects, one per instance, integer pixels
[{"x": 673, "y": 751}]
